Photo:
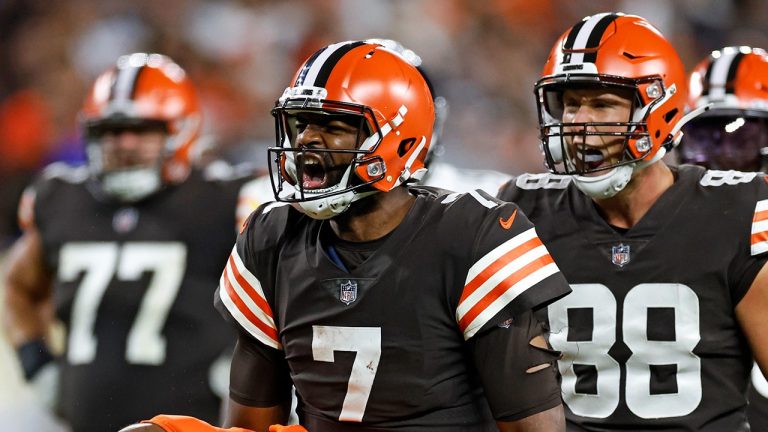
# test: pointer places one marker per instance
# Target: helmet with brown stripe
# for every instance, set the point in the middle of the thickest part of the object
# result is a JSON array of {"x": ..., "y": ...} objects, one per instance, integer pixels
[
  {"x": 616, "y": 52},
  {"x": 392, "y": 107},
  {"x": 141, "y": 93},
  {"x": 733, "y": 133}
]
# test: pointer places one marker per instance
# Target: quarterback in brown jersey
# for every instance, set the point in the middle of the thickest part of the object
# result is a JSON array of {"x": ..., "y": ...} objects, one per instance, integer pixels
[
  {"x": 388, "y": 306},
  {"x": 666, "y": 263},
  {"x": 127, "y": 249}
]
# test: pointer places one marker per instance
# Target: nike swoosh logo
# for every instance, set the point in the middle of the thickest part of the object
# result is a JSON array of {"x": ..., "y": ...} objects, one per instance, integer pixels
[{"x": 507, "y": 224}]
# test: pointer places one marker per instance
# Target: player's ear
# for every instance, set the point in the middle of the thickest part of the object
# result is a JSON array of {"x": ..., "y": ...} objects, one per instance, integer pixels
[{"x": 142, "y": 427}]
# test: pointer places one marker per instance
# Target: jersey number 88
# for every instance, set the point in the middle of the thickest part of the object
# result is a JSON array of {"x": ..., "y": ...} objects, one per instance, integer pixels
[{"x": 647, "y": 354}]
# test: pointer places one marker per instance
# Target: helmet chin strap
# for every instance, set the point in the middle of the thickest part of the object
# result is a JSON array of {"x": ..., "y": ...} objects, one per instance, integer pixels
[
  {"x": 615, "y": 180},
  {"x": 605, "y": 185},
  {"x": 127, "y": 185},
  {"x": 328, "y": 207},
  {"x": 131, "y": 185}
]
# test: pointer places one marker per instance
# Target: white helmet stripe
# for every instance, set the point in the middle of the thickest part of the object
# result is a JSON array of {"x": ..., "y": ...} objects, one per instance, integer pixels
[
  {"x": 584, "y": 35},
  {"x": 318, "y": 68},
  {"x": 319, "y": 62},
  {"x": 720, "y": 71},
  {"x": 125, "y": 83}
]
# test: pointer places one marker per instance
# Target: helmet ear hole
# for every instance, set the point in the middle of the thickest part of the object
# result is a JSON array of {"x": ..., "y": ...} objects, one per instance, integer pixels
[
  {"x": 670, "y": 115},
  {"x": 405, "y": 146}
]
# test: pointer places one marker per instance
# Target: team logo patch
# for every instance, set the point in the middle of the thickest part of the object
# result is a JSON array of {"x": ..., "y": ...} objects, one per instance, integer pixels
[
  {"x": 125, "y": 220},
  {"x": 348, "y": 291},
  {"x": 620, "y": 255}
]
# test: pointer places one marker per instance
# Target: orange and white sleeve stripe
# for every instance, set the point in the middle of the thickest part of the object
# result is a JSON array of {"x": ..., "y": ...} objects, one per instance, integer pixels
[
  {"x": 499, "y": 277},
  {"x": 759, "y": 240},
  {"x": 244, "y": 298}
]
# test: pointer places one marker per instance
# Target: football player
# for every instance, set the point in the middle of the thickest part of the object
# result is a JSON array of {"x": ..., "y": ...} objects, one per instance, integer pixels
[
  {"x": 732, "y": 135},
  {"x": 128, "y": 250},
  {"x": 388, "y": 306},
  {"x": 666, "y": 263}
]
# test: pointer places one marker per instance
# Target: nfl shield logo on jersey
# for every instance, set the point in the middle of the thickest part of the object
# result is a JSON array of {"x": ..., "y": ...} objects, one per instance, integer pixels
[
  {"x": 125, "y": 220},
  {"x": 348, "y": 292},
  {"x": 620, "y": 255}
]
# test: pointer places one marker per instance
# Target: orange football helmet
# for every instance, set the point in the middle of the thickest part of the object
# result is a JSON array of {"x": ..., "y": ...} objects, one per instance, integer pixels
[
  {"x": 612, "y": 50},
  {"x": 142, "y": 90},
  {"x": 733, "y": 134},
  {"x": 394, "y": 105}
]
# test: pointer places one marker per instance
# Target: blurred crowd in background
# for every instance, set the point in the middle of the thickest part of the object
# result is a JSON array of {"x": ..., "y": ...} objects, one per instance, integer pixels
[{"x": 483, "y": 55}]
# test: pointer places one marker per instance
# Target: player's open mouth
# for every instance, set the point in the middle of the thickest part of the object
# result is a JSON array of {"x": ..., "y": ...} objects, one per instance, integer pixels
[
  {"x": 313, "y": 172},
  {"x": 591, "y": 158}
]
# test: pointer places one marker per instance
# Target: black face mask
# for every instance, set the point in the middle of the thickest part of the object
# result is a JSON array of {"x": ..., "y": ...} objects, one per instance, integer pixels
[{"x": 725, "y": 142}]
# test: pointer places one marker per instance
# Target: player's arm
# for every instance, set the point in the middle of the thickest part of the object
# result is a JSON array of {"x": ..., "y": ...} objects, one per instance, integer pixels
[
  {"x": 27, "y": 314},
  {"x": 259, "y": 390},
  {"x": 551, "y": 420},
  {"x": 519, "y": 375},
  {"x": 750, "y": 312},
  {"x": 257, "y": 418}
]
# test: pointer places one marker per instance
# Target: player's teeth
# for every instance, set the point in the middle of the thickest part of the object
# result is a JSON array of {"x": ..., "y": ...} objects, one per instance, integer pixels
[{"x": 593, "y": 157}]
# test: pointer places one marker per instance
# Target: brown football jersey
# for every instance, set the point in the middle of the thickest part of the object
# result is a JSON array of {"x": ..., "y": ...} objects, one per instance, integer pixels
[
  {"x": 384, "y": 346},
  {"x": 132, "y": 286},
  {"x": 649, "y": 334}
]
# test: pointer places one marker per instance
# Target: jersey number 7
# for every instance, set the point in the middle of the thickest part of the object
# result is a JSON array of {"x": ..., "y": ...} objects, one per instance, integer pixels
[{"x": 366, "y": 343}]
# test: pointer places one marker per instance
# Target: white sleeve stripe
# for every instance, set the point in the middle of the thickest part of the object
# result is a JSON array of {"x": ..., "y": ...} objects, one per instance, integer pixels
[
  {"x": 244, "y": 322},
  {"x": 761, "y": 205},
  {"x": 483, "y": 201},
  {"x": 509, "y": 295},
  {"x": 247, "y": 275},
  {"x": 262, "y": 315},
  {"x": 450, "y": 198},
  {"x": 758, "y": 248},
  {"x": 760, "y": 226},
  {"x": 497, "y": 253},
  {"x": 509, "y": 269},
  {"x": 273, "y": 205}
]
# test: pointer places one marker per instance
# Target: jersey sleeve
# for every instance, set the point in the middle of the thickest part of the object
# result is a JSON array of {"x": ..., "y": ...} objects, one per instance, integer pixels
[
  {"x": 259, "y": 376},
  {"x": 508, "y": 191},
  {"x": 746, "y": 265},
  {"x": 758, "y": 240},
  {"x": 245, "y": 295},
  {"x": 511, "y": 271},
  {"x": 42, "y": 189},
  {"x": 504, "y": 355}
]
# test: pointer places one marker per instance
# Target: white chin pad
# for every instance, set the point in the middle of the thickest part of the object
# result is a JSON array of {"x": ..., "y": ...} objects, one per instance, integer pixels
[
  {"x": 132, "y": 184},
  {"x": 605, "y": 185}
]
